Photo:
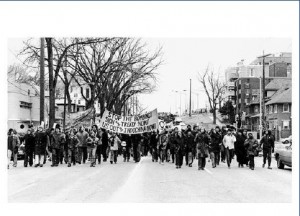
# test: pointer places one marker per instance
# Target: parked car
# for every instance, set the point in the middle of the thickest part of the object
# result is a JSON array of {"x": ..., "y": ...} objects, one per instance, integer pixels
[
  {"x": 283, "y": 156},
  {"x": 286, "y": 140}
]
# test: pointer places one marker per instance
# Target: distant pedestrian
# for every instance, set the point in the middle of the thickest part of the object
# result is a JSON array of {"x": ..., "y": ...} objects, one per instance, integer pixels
[
  {"x": 179, "y": 145},
  {"x": 13, "y": 143},
  {"x": 92, "y": 142},
  {"x": 153, "y": 145},
  {"x": 57, "y": 140},
  {"x": 162, "y": 146}
]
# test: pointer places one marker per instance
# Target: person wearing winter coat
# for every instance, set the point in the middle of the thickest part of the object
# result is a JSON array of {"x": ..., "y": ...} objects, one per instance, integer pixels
[
  {"x": 223, "y": 152},
  {"x": 29, "y": 140},
  {"x": 189, "y": 141},
  {"x": 105, "y": 147},
  {"x": 251, "y": 144},
  {"x": 72, "y": 148},
  {"x": 126, "y": 145},
  {"x": 268, "y": 147},
  {"x": 172, "y": 144},
  {"x": 82, "y": 136},
  {"x": 228, "y": 142},
  {"x": 40, "y": 147},
  {"x": 214, "y": 146},
  {"x": 240, "y": 151},
  {"x": 57, "y": 140},
  {"x": 202, "y": 141},
  {"x": 13, "y": 143},
  {"x": 178, "y": 147},
  {"x": 153, "y": 146},
  {"x": 114, "y": 142},
  {"x": 92, "y": 142},
  {"x": 162, "y": 146}
]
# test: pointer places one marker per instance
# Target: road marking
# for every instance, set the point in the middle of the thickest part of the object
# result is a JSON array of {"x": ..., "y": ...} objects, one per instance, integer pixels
[
  {"x": 207, "y": 170},
  {"x": 130, "y": 186}
]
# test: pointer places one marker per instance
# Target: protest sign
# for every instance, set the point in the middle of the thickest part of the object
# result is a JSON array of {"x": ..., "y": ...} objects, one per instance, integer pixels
[{"x": 129, "y": 124}]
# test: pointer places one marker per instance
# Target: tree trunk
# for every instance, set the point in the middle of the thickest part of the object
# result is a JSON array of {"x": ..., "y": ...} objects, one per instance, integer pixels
[
  {"x": 51, "y": 83},
  {"x": 214, "y": 116},
  {"x": 69, "y": 100}
]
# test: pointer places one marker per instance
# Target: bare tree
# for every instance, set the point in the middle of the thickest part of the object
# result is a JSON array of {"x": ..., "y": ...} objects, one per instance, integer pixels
[
  {"x": 20, "y": 74},
  {"x": 213, "y": 87}
]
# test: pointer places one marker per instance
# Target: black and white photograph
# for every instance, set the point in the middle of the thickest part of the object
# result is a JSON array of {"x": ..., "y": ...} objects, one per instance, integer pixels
[{"x": 145, "y": 106}]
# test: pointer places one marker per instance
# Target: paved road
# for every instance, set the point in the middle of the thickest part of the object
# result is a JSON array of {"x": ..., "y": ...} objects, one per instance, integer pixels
[{"x": 149, "y": 182}]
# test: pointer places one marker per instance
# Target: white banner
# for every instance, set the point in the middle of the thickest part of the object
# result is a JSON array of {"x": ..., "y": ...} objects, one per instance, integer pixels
[{"x": 129, "y": 124}]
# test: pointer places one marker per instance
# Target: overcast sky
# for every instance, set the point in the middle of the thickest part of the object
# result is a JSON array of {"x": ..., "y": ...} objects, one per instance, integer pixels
[{"x": 184, "y": 58}]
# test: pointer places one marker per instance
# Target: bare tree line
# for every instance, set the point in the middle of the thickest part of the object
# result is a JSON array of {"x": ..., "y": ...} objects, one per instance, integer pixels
[{"x": 115, "y": 69}]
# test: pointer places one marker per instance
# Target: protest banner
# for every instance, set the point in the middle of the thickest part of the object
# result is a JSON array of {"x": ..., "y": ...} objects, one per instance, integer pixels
[{"x": 129, "y": 124}]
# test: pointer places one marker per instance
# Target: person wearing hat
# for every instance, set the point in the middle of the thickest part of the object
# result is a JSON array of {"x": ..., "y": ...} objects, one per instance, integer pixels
[
  {"x": 29, "y": 140},
  {"x": 40, "y": 147},
  {"x": 228, "y": 142},
  {"x": 251, "y": 144}
]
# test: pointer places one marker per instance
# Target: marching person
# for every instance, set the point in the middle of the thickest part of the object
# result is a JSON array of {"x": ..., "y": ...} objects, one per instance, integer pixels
[
  {"x": 153, "y": 145},
  {"x": 223, "y": 152},
  {"x": 189, "y": 147},
  {"x": 228, "y": 142},
  {"x": 29, "y": 140},
  {"x": 57, "y": 140},
  {"x": 13, "y": 143},
  {"x": 82, "y": 136},
  {"x": 251, "y": 144},
  {"x": 40, "y": 147},
  {"x": 178, "y": 145},
  {"x": 202, "y": 141},
  {"x": 136, "y": 142},
  {"x": 126, "y": 145},
  {"x": 214, "y": 147},
  {"x": 72, "y": 148},
  {"x": 268, "y": 148},
  {"x": 105, "y": 146},
  {"x": 171, "y": 143},
  {"x": 162, "y": 146},
  {"x": 240, "y": 151},
  {"x": 91, "y": 143},
  {"x": 114, "y": 143}
]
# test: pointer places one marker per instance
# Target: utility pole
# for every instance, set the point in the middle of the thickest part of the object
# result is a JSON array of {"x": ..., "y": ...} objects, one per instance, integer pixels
[
  {"x": 65, "y": 95},
  {"x": 263, "y": 87},
  {"x": 260, "y": 110},
  {"x": 42, "y": 82},
  {"x": 190, "y": 112}
]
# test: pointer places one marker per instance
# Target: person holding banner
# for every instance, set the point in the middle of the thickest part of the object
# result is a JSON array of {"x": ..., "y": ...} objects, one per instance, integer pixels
[{"x": 114, "y": 144}]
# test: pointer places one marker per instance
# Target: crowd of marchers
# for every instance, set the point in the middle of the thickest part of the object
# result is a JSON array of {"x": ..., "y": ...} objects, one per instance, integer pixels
[{"x": 98, "y": 145}]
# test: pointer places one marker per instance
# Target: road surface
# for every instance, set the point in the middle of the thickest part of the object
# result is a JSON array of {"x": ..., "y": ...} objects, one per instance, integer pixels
[{"x": 149, "y": 182}]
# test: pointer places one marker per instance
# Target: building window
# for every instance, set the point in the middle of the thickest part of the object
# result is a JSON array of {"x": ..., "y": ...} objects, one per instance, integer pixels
[
  {"x": 286, "y": 107},
  {"x": 87, "y": 93},
  {"x": 75, "y": 95},
  {"x": 286, "y": 124},
  {"x": 256, "y": 109},
  {"x": 25, "y": 105},
  {"x": 275, "y": 108},
  {"x": 251, "y": 72},
  {"x": 28, "y": 92},
  {"x": 78, "y": 101},
  {"x": 270, "y": 109},
  {"x": 247, "y": 85}
]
